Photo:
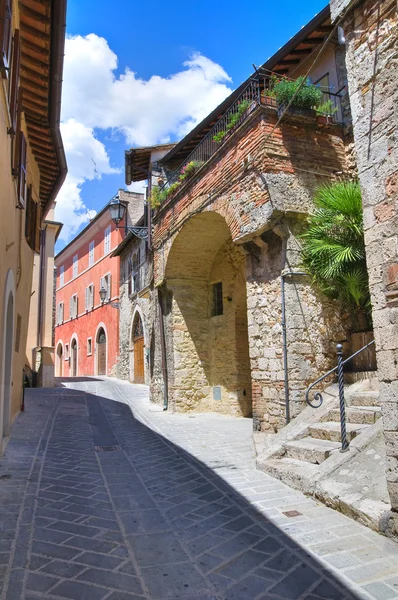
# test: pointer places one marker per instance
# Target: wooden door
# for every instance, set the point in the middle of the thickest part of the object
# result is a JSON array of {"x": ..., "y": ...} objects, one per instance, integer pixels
[
  {"x": 74, "y": 360},
  {"x": 139, "y": 360},
  {"x": 101, "y": 349}
]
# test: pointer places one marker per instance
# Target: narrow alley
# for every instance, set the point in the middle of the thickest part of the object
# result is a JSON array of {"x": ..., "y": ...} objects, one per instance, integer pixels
[{"x": 104, "y": 496}]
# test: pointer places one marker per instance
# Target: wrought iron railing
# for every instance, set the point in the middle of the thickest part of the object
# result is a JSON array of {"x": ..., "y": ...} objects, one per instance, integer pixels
[
  {"x": 340, "y": 378},
  {"x": 253, "y": 94}
]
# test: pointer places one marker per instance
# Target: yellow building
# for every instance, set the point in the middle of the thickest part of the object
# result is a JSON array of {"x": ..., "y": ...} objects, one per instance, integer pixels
[{"x": 32, "y": 170}]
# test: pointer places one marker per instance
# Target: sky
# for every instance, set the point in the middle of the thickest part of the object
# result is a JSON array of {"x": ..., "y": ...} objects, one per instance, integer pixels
[{"x": 142, "y": 73}]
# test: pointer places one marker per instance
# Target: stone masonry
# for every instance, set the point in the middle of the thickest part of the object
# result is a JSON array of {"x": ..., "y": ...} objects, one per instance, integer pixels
[
  {"x": 237, "y": 221},
  {"x": 371, "y": 32}
]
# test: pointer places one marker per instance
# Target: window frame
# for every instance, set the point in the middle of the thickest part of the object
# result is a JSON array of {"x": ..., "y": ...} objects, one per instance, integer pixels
[
  {"x": 91, "y": 247},
  {"x": 61, "y": 275},
  {"x": 74, "y": 300},
  {"x": 107, "y": 240},
  {"x": 217, "y": 299},
  {"x": 5, "y": 38},
  {"x": 106, "y": 279},
  {"x": 60, "y": 310},
  {"x": 90, "y": 340},
  {"x": 75, "y": 266},
  {"x": 89, "y": 297}
]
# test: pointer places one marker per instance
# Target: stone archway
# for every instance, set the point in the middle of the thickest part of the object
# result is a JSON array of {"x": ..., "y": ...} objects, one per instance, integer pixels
[
  {"x": 8, "y": 350},
  {"x": 209, "y": 365},
  {"x": 101, "y": 351},
  {"x": 59, "y": 365},
  {"x": 137, "y": 366},
  {"x": 73, "y": 358}
]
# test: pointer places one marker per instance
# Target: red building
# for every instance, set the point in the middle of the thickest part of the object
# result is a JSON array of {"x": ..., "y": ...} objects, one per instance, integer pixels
[{"x": 87, "y": 328}]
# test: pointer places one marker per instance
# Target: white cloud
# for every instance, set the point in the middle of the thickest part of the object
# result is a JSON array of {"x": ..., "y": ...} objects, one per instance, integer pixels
[
  {"x": 82, "y": 148},
  {"x": 145, "y": 112}
]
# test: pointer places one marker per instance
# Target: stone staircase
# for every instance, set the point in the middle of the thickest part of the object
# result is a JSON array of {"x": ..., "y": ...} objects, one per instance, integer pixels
[
  {"x": 306, "y": 453},
  {"x": 325, "y": 437}
]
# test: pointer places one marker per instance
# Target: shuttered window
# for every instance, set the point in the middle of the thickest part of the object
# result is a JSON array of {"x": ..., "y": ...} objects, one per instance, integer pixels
[
  {"x": 14, "y": 83},
  {"x": 22, "y": 170},
  {"x": 5, "y": 36},
  {"x": 32, "y": 221},
  {"x": 91, "y": 254}
]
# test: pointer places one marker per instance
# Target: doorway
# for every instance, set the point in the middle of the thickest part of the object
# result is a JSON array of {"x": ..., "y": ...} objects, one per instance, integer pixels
[
  {"x": 138, "y": 350},
  {"x": 60, "y": 357},
  {"x": 8, "y": 350},
  {"x": 73, "y": 358},
  {"x": 101, "y": 352}
]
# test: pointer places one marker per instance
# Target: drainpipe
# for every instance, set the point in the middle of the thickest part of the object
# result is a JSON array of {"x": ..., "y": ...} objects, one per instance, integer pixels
[
  {"x": 163, "y": 349},
  {"x": 284, "y": 336}
]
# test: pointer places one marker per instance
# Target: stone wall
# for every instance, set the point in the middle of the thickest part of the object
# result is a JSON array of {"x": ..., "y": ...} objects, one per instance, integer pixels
[
  {"x": 236, "y": 221},
  {"x": 130, "y": 305},
  {"x": 371, "y": 31}
]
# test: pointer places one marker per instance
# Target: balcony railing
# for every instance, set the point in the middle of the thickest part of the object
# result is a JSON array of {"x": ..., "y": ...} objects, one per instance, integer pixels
[{"x": 253, "y": 95}]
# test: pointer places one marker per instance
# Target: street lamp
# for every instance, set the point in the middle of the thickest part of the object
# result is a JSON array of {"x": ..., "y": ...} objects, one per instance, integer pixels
[
  {"x": 117, "y": 210},
  {"x": 102, "y": 294}
]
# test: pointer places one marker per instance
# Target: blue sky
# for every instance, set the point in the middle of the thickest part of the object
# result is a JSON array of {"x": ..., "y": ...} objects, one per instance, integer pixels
[{"x": 182, "y": 59}]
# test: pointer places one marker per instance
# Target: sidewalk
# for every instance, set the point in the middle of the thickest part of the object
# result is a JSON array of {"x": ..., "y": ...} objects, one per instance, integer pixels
[{"x": 100, "y": 502}]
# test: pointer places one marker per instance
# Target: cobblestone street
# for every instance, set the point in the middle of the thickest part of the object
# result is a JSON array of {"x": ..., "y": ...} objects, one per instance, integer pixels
[{"x": 104, "y": 496}]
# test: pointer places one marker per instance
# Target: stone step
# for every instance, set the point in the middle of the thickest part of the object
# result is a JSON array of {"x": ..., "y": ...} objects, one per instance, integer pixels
[
  {"x": 356, "y": 414},
  {"x": 370, "y": 398},
  {"x": 310, "y": 449},
  {"x": 297, "y": 473},
  {"x": 330, "y": 430}
]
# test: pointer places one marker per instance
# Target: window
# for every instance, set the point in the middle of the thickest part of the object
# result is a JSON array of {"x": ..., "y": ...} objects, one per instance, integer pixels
[
  {"x": 32, "y": 221},
  {"x": 90, "y": 297},
  {"x": 73, "y": 307},
  {"x": 105, "y": 282},
  {"x": 18, "y": 333},
  {"x": 14, "y": 83},
  {"x": 21, "y": 170},
  {"x": 5, "y": 36},
  {"x": 129, "y": 276},
  {"x": 66, "y": 351},
  {"x": 89, "y": 346},
  {"x": 75, "y": 265},
  {"x": 91, "y": 254},
  {"x": 107, "y": 240},
  {"x": 217, "y": 299},
  {"x": 60, "y": 313},
  {"x": 61, "y": 275}
]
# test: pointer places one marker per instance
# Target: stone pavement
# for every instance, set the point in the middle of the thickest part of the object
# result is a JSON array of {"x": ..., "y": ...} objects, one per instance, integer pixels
[{"x": 104, "y": 496}]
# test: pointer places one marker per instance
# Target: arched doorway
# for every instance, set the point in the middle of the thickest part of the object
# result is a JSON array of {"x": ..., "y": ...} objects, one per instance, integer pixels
[
  {"x": 60, "y": 361},
  {"x": 138, "y": 349},
  {"x": 73, "y": 357},
  {"x": 206, "y": 319},
  {"x": 7, "y": 374},
  {"x": 101, "y": 351}
]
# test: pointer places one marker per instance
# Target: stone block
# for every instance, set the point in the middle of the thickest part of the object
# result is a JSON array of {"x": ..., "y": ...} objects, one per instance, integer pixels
[
  {"x": 390, "y": 415},
  {"x": 392, "y": 469},
  {"x": 391, "y": 440}
]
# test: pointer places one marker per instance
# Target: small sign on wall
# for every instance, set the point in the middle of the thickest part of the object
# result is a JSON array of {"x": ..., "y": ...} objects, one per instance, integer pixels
[{"x": 216, "y": 392}]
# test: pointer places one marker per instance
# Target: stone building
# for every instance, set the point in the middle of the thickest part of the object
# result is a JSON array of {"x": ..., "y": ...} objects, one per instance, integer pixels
[
  {"x": 226, "y": 239},
  {"x": 371, "y": 38},
  {"x": 32, "y": 170}
]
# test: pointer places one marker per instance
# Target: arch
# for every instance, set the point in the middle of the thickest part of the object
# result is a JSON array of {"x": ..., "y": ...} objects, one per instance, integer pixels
[
  {"x": 206, "y": 318},
  {"x": 7, "y": 354},
  {"x": 101, "y": 350},
  {"x": 74, "y": 356},
  {"x": 59, "y": 359},
  {"x": 137, "y": 347}
]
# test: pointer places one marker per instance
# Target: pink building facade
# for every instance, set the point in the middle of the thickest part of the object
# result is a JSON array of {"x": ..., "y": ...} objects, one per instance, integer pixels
[{"x": 86, "y": 327}]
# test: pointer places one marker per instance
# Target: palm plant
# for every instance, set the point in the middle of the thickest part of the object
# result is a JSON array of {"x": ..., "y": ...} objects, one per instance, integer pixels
[{"x": 333, "y": 249}]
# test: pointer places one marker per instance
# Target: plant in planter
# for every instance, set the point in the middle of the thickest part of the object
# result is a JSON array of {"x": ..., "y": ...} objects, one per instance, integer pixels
[
  {"x": 304, "y": 94},
  {"x": 160, "y": 194},
  {"x": 233, "y": 120},
  {"x": 190, "y": 168},
  {"x": 333, "y": 250},
  {"x": 325, "y": 112}
]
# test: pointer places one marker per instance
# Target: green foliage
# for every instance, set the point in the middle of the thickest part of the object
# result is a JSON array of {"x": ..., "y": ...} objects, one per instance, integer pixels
[
  {"x": 326, "y": 108},
  {"x": 333, "y": 249},
  {"x": 159, "y": 195},
  {"x": 233, "y": 120},
  {"x": 190, "y": 168},
  {"x": 307, "y": 94}
]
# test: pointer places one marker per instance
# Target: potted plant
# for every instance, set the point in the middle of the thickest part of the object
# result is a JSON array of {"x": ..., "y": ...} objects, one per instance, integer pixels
[
  {"x": 244, "y": 106},
  {"x": 300, "y": 94},
  {"x": 333, "y": 253},
  {"x": 325, "y": 112}
]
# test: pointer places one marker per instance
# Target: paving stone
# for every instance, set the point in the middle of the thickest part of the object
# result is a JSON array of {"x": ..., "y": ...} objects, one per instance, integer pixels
[
  {"x": 117, "y": 581},
  {"x": 157, "y": 549},
  {"x": 53, "y": 550},
  {"x": 239, "y": 566},
  {"x": 380, "y": 591},
  {"x": 175, "y": 581},
  {"x": 79, "y": 591},
  {"x": 38, "y": 582},
  {"x": 99, "y": 560}
]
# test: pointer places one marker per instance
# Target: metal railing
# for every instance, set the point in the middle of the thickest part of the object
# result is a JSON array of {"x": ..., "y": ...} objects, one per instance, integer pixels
[
  {"x": 253, "y": 95},
  {"x": 340, "y": 378}
]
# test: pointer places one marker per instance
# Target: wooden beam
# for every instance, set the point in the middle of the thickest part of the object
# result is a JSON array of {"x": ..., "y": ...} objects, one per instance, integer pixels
[
  {"x": 36, "y": 88},
  {"x": 300, "y": 51},
  {"x": 34, "y": 74},
  {"x": 35, "y": 32},
  {"x": 34, "y": 14},
  {"x": 294, "y": 61},
  {"x": 317, "y": 40},
  {"x": 43, "y": 51},
  {"x": 35, "y": 64}
]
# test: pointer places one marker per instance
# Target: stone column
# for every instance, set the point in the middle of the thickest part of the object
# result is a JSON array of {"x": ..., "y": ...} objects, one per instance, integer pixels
[{"x": 371, "y": 33}]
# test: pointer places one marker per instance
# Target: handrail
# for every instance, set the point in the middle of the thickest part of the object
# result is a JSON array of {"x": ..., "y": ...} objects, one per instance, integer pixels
[
  {"x": 318, "y": 396},
  {"x": 340, "y": 376}
]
